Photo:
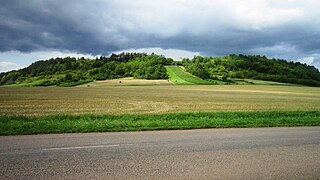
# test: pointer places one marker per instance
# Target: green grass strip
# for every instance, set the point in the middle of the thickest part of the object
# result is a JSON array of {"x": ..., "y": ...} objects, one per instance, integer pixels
[
  {"x": 18, "y": 125},
  {"x": 181, "y": 77}
]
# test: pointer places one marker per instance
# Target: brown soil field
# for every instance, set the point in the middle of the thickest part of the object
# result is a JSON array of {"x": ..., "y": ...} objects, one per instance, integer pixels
[{"x": 126, "y": 81}]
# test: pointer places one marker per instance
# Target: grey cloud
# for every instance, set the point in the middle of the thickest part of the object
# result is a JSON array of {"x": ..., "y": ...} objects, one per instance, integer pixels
[
  {"x": 208, "y": 27},
  {"x": 37, "y": 25}
]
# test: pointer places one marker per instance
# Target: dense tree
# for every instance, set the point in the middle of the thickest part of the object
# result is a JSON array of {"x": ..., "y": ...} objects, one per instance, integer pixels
[
  {"x": 68, "y": 70},
  {"x": 254, "y": 67}
]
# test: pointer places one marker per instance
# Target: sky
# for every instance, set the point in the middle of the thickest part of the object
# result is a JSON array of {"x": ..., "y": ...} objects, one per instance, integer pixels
[{"x": 32, "y": 30}]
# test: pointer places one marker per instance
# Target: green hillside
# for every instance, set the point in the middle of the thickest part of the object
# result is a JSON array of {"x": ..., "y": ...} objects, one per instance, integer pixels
[
  {"x": 178, "y": 76},
  {"x": 254, "y": 67},
  {"x": 70, "y": 71},
  {"x": 232, "y": 69}
]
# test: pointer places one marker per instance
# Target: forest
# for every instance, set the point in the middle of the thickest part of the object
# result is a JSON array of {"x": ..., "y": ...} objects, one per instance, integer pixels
[
  {"x": 252, "y": 67},
  {"x": 70, "y": 71}
]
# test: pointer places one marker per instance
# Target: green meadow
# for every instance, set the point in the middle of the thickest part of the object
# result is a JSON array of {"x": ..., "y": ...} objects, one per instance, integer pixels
[{"x": 180, "y": 77}]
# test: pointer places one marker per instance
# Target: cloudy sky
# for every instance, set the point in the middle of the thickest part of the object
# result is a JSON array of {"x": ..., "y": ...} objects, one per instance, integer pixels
[{"x": 31, "y": 30}]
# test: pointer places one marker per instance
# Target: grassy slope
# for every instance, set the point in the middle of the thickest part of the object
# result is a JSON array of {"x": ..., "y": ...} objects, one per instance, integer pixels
[
  {"x": 181, "y": 77},
  {"x": 17, "y": 125}
]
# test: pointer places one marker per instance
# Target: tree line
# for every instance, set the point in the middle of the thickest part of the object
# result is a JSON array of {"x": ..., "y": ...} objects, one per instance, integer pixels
[
  {"x": 70, "y": 71},
  {"x": 252, "y": 67}
]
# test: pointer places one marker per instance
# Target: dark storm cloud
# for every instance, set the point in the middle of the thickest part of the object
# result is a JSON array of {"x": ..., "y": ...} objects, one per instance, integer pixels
[
  {"x": 37, "y": 25},
  {"x": 287, "y": 30}
]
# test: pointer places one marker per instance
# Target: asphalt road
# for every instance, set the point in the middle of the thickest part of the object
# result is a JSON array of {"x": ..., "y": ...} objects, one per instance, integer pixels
[{"x": 261, "y": 153}]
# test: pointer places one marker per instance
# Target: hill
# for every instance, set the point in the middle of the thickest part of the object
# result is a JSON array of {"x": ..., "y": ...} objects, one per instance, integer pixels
[
  {"x": 70, "y": 71},
  {"x": 252, "y": 67},
  {"x": 230, "y": 69}
]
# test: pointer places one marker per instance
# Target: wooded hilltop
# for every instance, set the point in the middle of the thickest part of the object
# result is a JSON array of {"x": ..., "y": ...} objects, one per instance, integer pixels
[{"x": 70, "y": 71}]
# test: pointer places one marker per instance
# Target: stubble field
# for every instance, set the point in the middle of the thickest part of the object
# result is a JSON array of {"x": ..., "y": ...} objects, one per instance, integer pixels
[
  {"x": 39, "y": 101},
  {"x": 38, "y": 110}
]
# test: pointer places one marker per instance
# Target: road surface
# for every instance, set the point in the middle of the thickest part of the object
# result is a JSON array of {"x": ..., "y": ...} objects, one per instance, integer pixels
[{"x": 257, "y": 153}]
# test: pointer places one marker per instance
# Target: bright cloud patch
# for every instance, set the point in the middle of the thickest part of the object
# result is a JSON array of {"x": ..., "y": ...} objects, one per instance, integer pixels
[
  {"x": 171, "y": 53},
  {"x": 313, "y": 60},
  {"x": 7, "y": 66},
  {"x": 16, "y": 59}
]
